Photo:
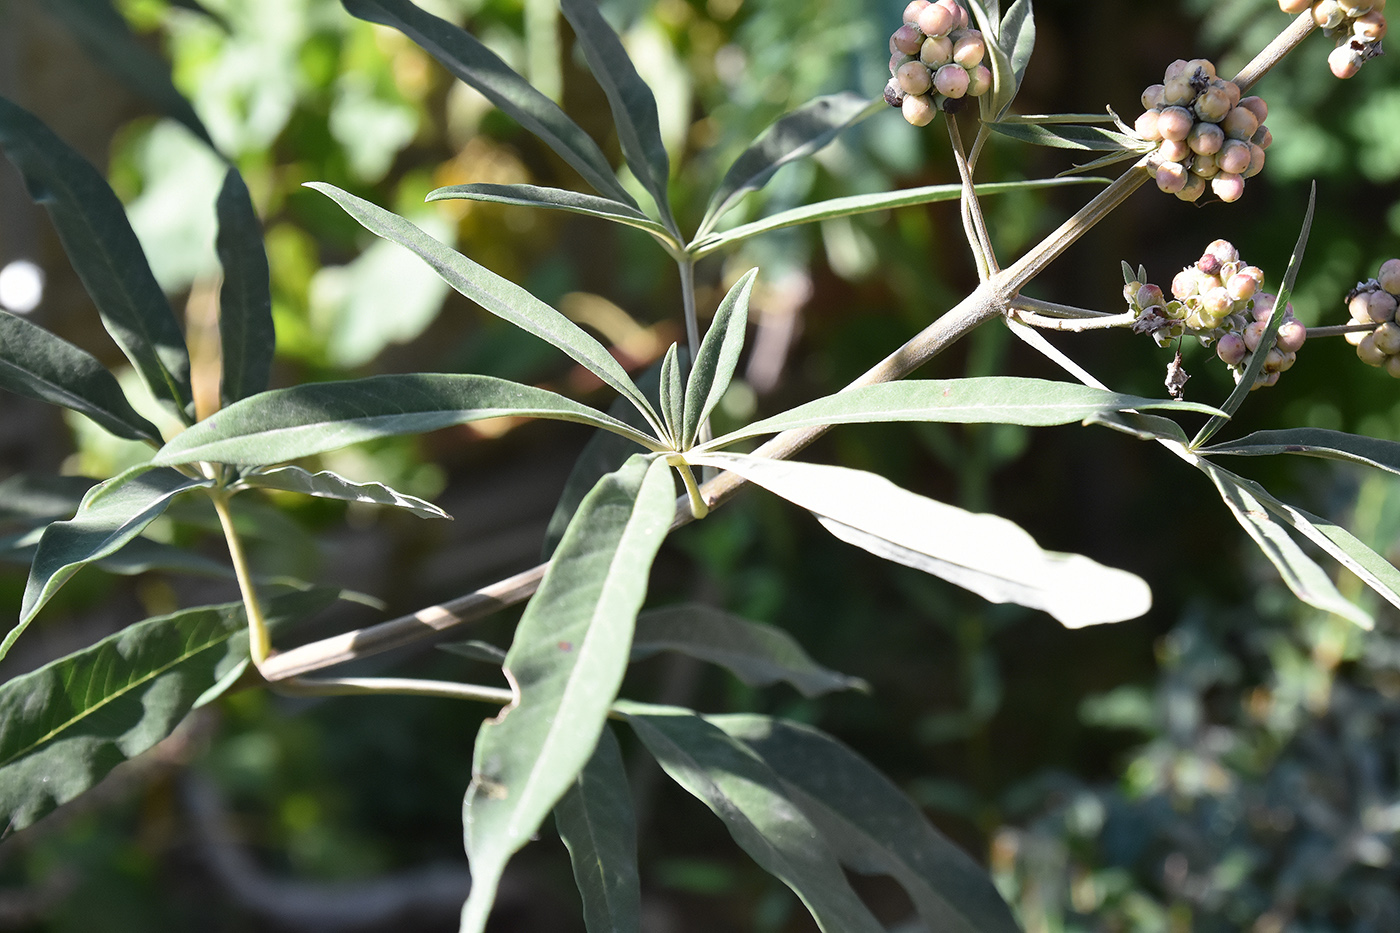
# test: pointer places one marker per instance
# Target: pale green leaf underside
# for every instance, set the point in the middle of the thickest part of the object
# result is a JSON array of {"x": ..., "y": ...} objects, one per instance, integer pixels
[
  {"x": 590, "y": 205},
  {"x": 1072, "y": 136},
  {"x": 717, "y": 358},
  {"x": 328, "y": 485},
  {"x": 1314, "y": 442}
]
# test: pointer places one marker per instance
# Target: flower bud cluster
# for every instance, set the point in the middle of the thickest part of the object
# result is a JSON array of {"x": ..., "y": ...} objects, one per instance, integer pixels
[
  {"x": 1357, "y": 25},
  {"x": 1374, "y": 302},
  {"x": 1206, "y": 133},
  {"x": 1218, "y": 300},
  {"x": 935, "y": 59}
]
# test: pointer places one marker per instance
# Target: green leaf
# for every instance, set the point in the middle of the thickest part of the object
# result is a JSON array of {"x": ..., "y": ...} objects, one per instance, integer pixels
[
  {"x": 137, "y": 556},
  {"x": 565, "y": 664},
  {"x": 1304, "y": 577},
  {"x": 105, "y": 253},
  {"x": 555, "y": 199},
  {"x": 1143, "y": 427},
  {"x": 759, "y": 655},
  {"x": 501, "y": 297},
  {"x": 633, "y": 105},
  {"x": 1001, "y": 399},
  {"x": 672, "y": 393},
  {"x": 986, "y": 554},
  {"x": 64, "y": 726},
  {"x": 599, "y": 828},
  {"x": 328, "y": 485},
  {"x": 717, "y": 358},
  {"x": 1009, "y": 46},
  {"x": 794, "y": 136},
  {"x": 285, "y": 424},
  {"x": 736, "y": 784},
  {"x": 40, "y": 497},
  {"x": 463, "y": 54},
  {"x": 864, "y": 204},
  {"x": 246, "y": 333},
  {"x": 1071, "y": 136},
  {"x": 1314, "y": 442},
  {"x": 40, "y": 365},
  {"x": 110, "y": 515},
  {"x": 104, "y": 34},
  {"x": 873, "y": 828},
  {"x": 1266, "y": 342}
]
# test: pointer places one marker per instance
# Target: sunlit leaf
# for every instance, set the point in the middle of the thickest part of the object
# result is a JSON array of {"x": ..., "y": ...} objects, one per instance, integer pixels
[
  {"x": 1314, "y": 442},
  {"x": 41, "y": 365},
  {"x": 565, "y": 665},
  {"x": 246, "y": 334},
  {"x": 555, "y": 199},
  {"x": 328, "y": 485},
  {"x": 717, "y": 358},
  {"x": 1071, "y": 136},
  {"x": 759, "y": 655},
  {"x": 104, "y": 252},
  {"x": 986, "y": 554},
  {"x": 285, "y": 424},
  {"x": 672, "y": 392}
]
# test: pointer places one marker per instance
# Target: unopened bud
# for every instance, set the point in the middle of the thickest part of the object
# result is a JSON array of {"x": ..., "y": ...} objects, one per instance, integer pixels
[
  {"x": 1254, "y": 335},
  {"x": 969, "y": 49},
  {"x": 1389, "y": 276},
  {"x": 1376, "y": 306},
  {"x": 1369, "y": 27},
  {"x": 894, "y": 94},
  {"x": 1240, "y": 123},
  {"x": 1174, "y": 123},
  {"x": 1212, "y": 105},
  {"x": 937, "y": 20},
  {"x": 1241, "y": 287},
  {"x": 1294, "y": 6},
  {"x": 1206, "y": 166},
  {"x": 1388, "y": 339},
  {"x": 1205, "y": 138},
  {"x": 1228, "y": 186},
  {"x": 1256, "y": 106},
  {"x": 1184, "y": 283},
  {"x": 1173, "y": 150},
  {"x": 1328, "y": 14},
  {"x": 951, "y": 81},
  {"x": 1231, "y": 349},
  {"x": 1171, "y": 177},
  {"x": 1256, "y": 161},
  {"x": 914, "y": 78},
  {"x": 919, "y": 109},
  {"x": 1148, "y": 296},
  {"x": 1291, "y": 335},
  {"x": 1344, "y": 61},
  {"x": 979, "y": 80},
  {"x": 907, "y": 39},
  {"x": 1152, "y": 97},
  {"x": 1222, "y": 251},
  {"x": 936, "y": 51},
  {"x": 1369, "y": 353},
  {"x": 1193, "y": 189},
  {"x": 912, "y": 11},
  {"x": 1233, "y": 157}
]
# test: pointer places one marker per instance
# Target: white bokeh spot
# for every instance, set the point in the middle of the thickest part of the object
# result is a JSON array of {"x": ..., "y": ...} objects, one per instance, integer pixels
[{"x": 21, "y": 286}]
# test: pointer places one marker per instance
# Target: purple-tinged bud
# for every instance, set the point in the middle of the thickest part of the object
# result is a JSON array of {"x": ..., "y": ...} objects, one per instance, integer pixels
[
  {"x": 914, "y": 78},
  {"x": 969, "y": 49},
  {"x": 1171, "y": 177},
  {"x": 1369, "y": 353},
  {"x": 1193, "y": 189},
  {"x": 1174, "y": 123},
  {"x": 1228, "y": 186},
  {"x": 1231, "y": 349},
  {"x": 1389, "y": 276},
  {"x": 1148, "y": 296},
  {"x": 1175, "y": 70},
  {"x": 959, "y": 10},
  {"x": 907, "y": 39},
  {"x": 1205, "y": 138},
  {"x": 919, "y": 109},
  {"x": 1377, "y": 306},
  {"x": 1256, "y": 106},
  {"x": 951, "y": 81},
  {"x": 1241, "y": 287},
  {"x": 937, "y": 20},
  {"x": 979, "y": 80},
  {"x": 1266, "y": 380},
  {"x": 1256, "y": 161},
  {"x": 1178, "y": 92},
  {"x": 1222, "y": 251},
  {"x": 1152, "y": 97},
  {"x": 1240, "y": 123},
  {"x": 897, "y": 61},
  {"x": 1254, "y": 335},
  {"x": 1212, "y": 105},
  {"x": 894, "y": 94},
  {"x": 1344, "y": 61},
  {"x": 1291, "y": 335},
  {"x": 1233, "y": 157},
  {"x": 1173, "y": 150},
  {"x": 1231, "y": 89},
  {"x": 936, "y": 51},
  {"x": 912, "y": 11},
  {"x": 1369, "y": 27}
]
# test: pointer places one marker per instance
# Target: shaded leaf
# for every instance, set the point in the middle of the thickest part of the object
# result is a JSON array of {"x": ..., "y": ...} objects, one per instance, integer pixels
[
  {"x": 736, "y": 784},
  {"x": 873, "y": 828},
  {"x": 555, "y": 199},
  {"x": 463, "y": 54},
  {"x": 717, "y": 358},
  {"x": 476, "y": 651},
  {"x": 1143, "y": 427},
  {"x": 986, "y": 554},
  {"x": 1071, "y": 136},
  {"x": 501, "y": 297},
  {"x": 285, "y": 424},
  {"x": 1314, "y": 442},
  {"x": 759, "y": 655},
  {"x": 39, "y": 497},
  {"x": 246, "y": 334},
  {"x": 330, "y": 485},
  {"x": 104, "y": 252},
  {"x": 793, "y": 136},
  {"x": 41, "y": 365},
  {"x": 565, "y": 665},
  {"x": 599, "y": 828}
]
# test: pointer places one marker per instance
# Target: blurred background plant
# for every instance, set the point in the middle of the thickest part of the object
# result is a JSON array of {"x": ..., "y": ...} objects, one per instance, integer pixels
[{"x": 1227, "y": 762}]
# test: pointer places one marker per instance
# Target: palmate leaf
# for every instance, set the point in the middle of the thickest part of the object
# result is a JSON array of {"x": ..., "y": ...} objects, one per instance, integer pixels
[
  {"x": 565, "y": 665},
  {"x": 64, "y": 726},
  {"x": 41, "y": 365},
  {"x": 732, "y": 780},
  {"x": 500, "y": 296},
  {"x": 1314, "y": 442},
  {"x": 633, "y": 105},
  {"x": 597, "y": 822},
  {"x": 716, "y": 359},
  {"x": 561, "y": 199},
  {"x": 246, "y": 334},
  {"x": 328, "y": 485},
  {"x": 1304, "y": 577},
  {"x": 865, "y": 204},
  {"x": 463, "y": 54},
  {"x": 979, "y": 399},
  {"x": 285, "y": 424},
  {"x": 794, "y": 136},
  {"x": 872, "y": 827},
  {"x": 986, "y": 554},
  {"x": 759, "y": 655},
  {"x": 104, "y": 252},
  {"x": 110, "y": 515}
]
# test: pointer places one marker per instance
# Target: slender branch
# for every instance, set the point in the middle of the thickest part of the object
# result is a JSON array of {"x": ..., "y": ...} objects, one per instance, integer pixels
[
  {"x": 1074, "y": 325},
  {"x": 1337, "y": 330},
  {"x": 1052, "y": 309},
  {"x": 974, "y": 223},
  {"x": 692, "y": 322},
  {"x": 259, "y": 642},
  {"x": 398, "y": 686}
]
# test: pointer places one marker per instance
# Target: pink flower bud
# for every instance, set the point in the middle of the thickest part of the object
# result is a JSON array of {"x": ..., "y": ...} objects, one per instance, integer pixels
[
  {"x": 936, "y": 51},
  {"x": 1233, "y": 157},
  {"x": 1256, "y": 106},
  {"x": 1241, "y": 287},
  {"x": 1240, "y": 123},
  {"x": 1171, "y": 177},
  {"x": 1205, "y": 138},
  {"x": 1291, "y": 335},
  {"x": 1173, "y": 150},
  {"x": 919, "y": 109},
  {"x": 951, "y": 81},
  {"x": 1152, "y": 97},
  {"x": 1228, "y": 186},
  {"x": 914, "y": 78},
  {"x": 969, "y": 49},
  {"x": 979, "y": 80},
  {"x": 912, "y": 11},
  {"x": 1369, "y": 27},
  {"x": 1369, "y": 353},
  {"x": 907, "y": 39},
  {"x": 1344, "y": 61},
  {"x": 1389, "y": 276},
  {"x": 1174, "y": 123},
  {"x": 1231, "y": 349}
]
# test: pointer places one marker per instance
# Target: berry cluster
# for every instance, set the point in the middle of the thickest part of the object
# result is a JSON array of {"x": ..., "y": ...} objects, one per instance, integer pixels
[
  {"x": 935, "y": 59},
  {"x": 1358, "y": 26},
  {"x": 1207, "y": 133},
  {"x": 1374, "y": 302},
  {"x": 1218, "y": 300}
]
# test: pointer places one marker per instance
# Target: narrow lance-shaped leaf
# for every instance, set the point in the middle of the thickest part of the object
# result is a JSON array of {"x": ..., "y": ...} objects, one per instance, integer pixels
[
  {"x": 64, "y": 726},
  {"x": 986, "y": 554},
  {"x": 672, "y": 393},
  {"x": 1000, "y": 399},
  {"x": 246, "y": 334},
  {"x": 1009, "y": 50},
  {"x": 597, "y": 822},
  {"x": 865, "y": 204},
  {"x": 1071, "y": 136},
  {"x": 1314, "y": 442},
  {"x": 794, "y": 136},
  {"x": 285, "y": 424},
  {"x": 717, "y": 358},
  {"x": 104, "y": 252},
  {"x": 110, "y": 515},
  {"x": 732, "y": 780},
  {"x": 565, "y": 664},
  {"x": 463, "y": 54},
  {"x": 1304, "y": 577},
  {"x": 41, "y": 365},
  {"x": 500, "y": 296},
  {"x": 759, "y": 655},
  {"x": 633, "y": 105},
  {"x": 873, "y": 828},
  {"x": 555, "y": 199},
  {"x": 328, "y": 485}
]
